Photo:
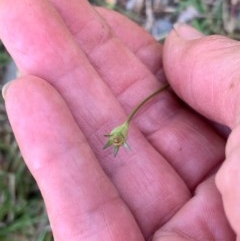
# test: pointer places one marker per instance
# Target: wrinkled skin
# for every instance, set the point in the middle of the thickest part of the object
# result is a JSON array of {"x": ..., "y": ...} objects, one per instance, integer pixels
[{"x": 83, "y": 70}]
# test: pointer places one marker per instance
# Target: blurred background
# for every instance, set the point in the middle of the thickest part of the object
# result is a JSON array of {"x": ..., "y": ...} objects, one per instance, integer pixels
[{"x": 22, "y": 212}]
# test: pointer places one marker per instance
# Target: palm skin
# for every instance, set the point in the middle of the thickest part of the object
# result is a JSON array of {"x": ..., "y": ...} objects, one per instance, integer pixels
[{"x": 83, "y": 72}]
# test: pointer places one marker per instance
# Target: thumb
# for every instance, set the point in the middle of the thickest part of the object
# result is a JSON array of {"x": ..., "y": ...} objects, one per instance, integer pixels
[{"x": 204, "y": 71}]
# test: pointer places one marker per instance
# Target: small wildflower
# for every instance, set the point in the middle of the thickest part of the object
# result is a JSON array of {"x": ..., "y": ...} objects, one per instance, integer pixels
[{"x": 118, "y": 138}]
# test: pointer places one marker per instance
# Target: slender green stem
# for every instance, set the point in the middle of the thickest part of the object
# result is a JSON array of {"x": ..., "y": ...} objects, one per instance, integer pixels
[{"x": 144, "y": 101}]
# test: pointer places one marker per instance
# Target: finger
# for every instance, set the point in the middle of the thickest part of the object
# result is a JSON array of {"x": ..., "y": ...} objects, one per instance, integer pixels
[
  {"x": 105, "y": 28},
  {"x": 207, "y": 78},
  {"x": 74, "y": 187},
  {"x": 143, "y": 179},
  {"x": 204, "y": 72},
  {"x": 228, "y": 179},
  {"x": 139, "y": 42},
  {"x": 99, "y": 42},
  {"x": 201, "y": 218}
]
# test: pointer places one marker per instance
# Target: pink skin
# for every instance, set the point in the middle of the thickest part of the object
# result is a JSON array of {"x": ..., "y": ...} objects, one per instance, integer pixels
[{"x": 83, "y": 72}]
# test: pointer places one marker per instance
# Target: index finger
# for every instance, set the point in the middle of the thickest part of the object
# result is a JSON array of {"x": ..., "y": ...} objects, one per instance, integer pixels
[{"x": 81, "y": 201}]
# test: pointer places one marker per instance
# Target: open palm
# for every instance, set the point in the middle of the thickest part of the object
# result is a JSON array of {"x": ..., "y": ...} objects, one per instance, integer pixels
[{"x": 83, "y": 72}]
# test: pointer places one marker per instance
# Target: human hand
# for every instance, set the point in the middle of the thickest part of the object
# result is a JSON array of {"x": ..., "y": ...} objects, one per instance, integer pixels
[{"x": 90, "y": 73}]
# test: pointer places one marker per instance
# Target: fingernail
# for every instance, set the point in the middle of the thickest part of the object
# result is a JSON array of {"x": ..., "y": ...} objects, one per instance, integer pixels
[
  {"x": 5, "y": 88},
  {"x": 187, "y": 32}
]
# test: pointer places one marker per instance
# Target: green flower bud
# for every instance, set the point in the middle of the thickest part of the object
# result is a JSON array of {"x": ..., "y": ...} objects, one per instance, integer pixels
[{"x": 118, "y": 138}]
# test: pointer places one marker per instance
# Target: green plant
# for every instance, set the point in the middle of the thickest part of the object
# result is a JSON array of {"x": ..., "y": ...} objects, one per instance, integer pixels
[
  {"x": 215, "y": 17},
  {"x": 118, "y": 136}
]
